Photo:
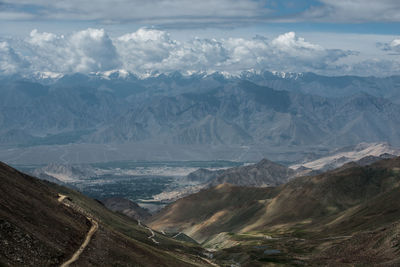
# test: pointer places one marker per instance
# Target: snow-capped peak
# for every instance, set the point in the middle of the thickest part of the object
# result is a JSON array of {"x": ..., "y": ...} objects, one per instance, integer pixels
[
  {"x": 287, "y": 75},
  {"x": 44, "y": 75}
]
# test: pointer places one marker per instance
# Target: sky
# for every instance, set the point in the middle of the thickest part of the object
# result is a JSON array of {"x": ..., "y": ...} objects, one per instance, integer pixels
[{"x": 329, "y": 37}]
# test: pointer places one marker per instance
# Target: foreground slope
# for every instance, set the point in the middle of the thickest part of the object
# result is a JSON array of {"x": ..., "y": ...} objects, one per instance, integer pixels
[
  {"x": 35, "y": 229},
  {"x": 38, "y": 230},
  {"x": 321, "y": 219}
]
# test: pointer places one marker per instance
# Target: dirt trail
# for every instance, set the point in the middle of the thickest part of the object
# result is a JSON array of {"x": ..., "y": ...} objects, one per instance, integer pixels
[
  {"x": 61, "y": 197},
  {"x": 88, "y": 237},
  {"x": 151, "y": 231}
]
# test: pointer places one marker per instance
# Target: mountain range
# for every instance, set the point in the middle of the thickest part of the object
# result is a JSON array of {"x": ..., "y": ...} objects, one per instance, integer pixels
[{"x": 250, "y": 110}]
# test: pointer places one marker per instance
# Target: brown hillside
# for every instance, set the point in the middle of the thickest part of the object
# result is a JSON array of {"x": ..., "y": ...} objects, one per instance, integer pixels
[
  {"x": 331, "y": 212},
  {"x": 222, "y": 208},
  {"x": 37, "y": 230},
  {"x": 313, "y": 198}
]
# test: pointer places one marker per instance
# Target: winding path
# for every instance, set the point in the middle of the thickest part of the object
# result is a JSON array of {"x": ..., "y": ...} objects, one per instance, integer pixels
[
  {"x": 151, "y": 231},
  {"x": 88, "y": 237}
]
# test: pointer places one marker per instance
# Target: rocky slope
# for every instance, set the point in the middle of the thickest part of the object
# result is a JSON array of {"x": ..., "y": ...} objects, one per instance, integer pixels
[
  {"x": 35, "y": 229},
  {"x": 224, "y": 208},
  {"x": 199, "y": 109},
  {"x": 261, "y": 174},
  {"x": 244, "y": 113},
  {"x": 323, "y": 218},
  {"x": 38, "y": 230}
]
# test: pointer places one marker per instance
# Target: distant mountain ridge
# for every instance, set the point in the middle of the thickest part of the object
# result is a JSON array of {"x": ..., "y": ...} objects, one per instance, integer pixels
[
  {"x": 201, "y": 109},
  {"x": 308, "y": 82},
  {"x": 245, "y": 113}
]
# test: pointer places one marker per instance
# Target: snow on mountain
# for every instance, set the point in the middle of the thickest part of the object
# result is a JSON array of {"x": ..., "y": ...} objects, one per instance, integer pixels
[
  {"x": 46, "y": 76},
  {"x": 342, "y": 156},
  {"x": 287, "y": 75},
  {"x": 114, "y": 74}
]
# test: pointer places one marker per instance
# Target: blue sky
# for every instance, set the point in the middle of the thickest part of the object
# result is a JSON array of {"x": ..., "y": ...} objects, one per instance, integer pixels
[{"x": 332, "y": 37}]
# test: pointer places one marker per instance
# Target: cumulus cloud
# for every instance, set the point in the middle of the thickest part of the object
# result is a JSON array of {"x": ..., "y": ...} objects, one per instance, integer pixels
[
  {"x": 93, "y": 50},
  {"x": 294, "y": 52},
  {"x": 151, "y": 50},
  {"x": 147, "y": 50},
  {"x": 83, "y": 51}
]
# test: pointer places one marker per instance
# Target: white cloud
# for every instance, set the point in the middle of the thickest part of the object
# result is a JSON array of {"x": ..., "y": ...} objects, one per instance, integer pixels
[
  {"x": 83, "y": 51},
  {"x": 147, "y": 50},
  {"x": 93, "y": 51},
  {"x": 290, "y": 43},
  {"x": 151, "y": 50},
  {"x": 395, "y": 43},
  {"x": 144, "y": 48}
]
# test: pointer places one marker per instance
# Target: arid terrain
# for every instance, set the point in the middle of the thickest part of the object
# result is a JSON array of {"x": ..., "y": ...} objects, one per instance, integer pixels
[
  {"x": 342, "y": 217},
  {"x": 39, "y": 230}
]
